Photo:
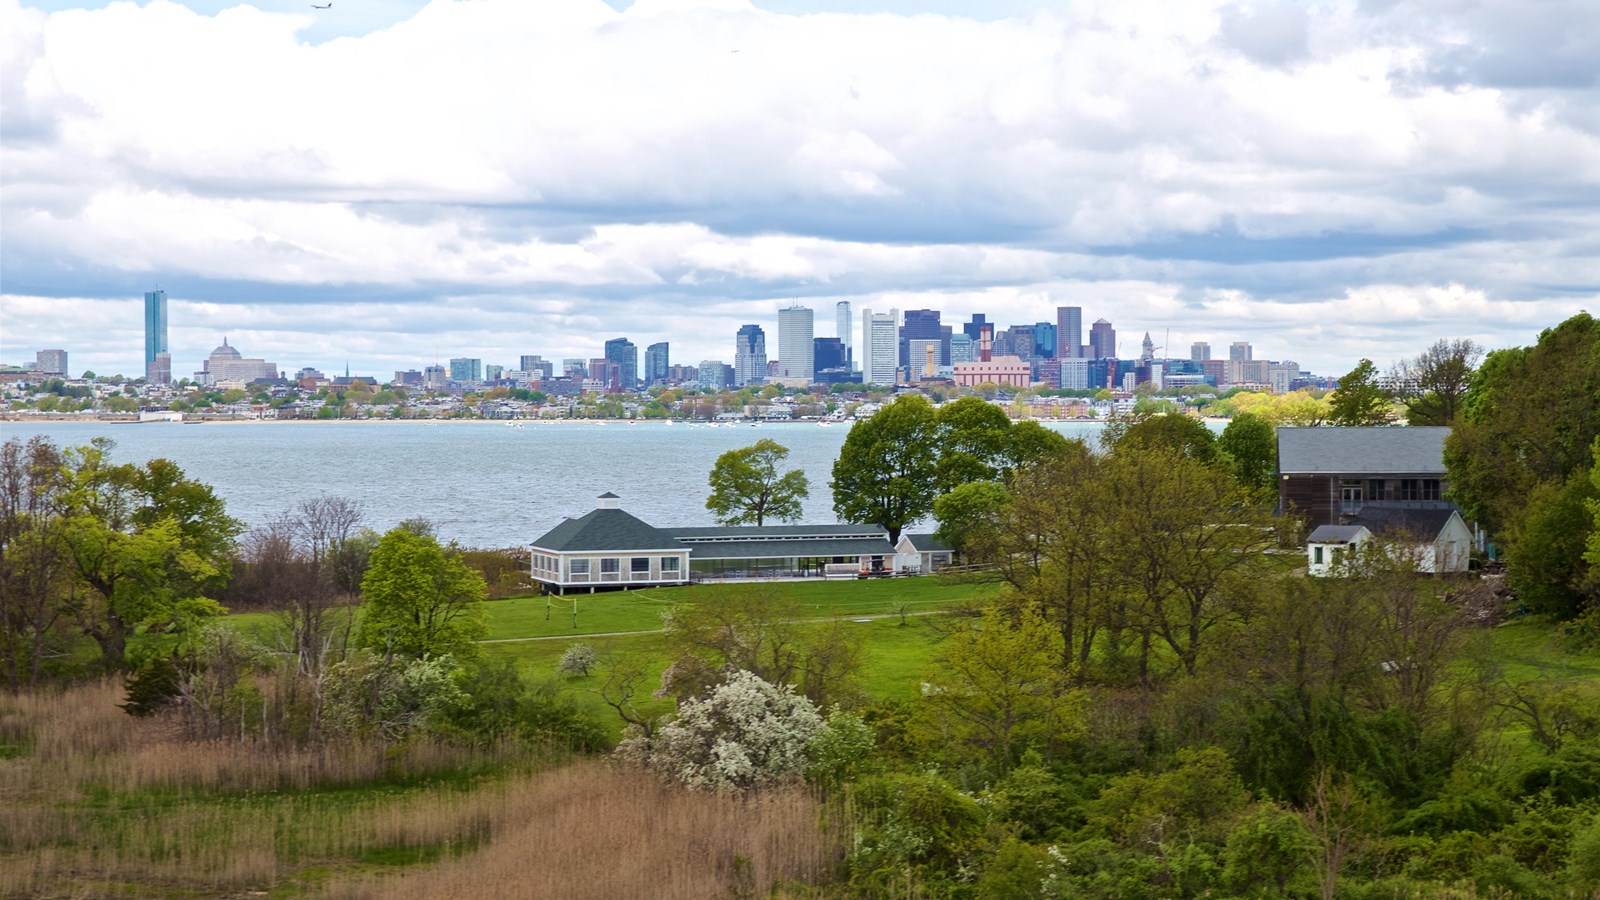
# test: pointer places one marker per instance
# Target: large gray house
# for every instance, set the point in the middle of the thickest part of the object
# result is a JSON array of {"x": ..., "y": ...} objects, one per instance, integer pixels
[{"x": 611, "y": 548}]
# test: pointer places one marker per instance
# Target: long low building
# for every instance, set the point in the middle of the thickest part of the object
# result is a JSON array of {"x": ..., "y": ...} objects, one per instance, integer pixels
[{"x": 611, "y": 548}]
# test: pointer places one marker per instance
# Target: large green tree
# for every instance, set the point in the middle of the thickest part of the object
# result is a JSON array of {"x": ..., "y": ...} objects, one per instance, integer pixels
[
  {"x": 887, "y": 470},
  {"x": 974, "y": 436},
  {"x": 1531, "y": 417},
  {"x": 1359, "y": 399},
  {"x": 748, "y": 488},
  {"x": 34, "y": 576},
  {"x": 420, "y": 600},
  {"x": 1250, "y": 445},
  {"x": 147, "y": 542}
]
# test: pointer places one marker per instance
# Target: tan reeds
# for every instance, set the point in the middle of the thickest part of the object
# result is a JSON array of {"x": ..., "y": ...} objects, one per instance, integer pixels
[{"x": 101, "y": 804}]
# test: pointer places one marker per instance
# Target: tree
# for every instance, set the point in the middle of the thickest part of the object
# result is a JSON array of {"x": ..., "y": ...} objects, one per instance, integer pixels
[
  {"x": 973, "y": 437},
  {"x": 745, "y": 733},
  {"x": 1545, "y": 558},
  {"x": 969, "y": 515},
  {"x": 1250, "y": 445},
  {"x": 887, "y": 470},
  {"x": 995, "y": 691},
  {"x": 147, "y": 543},
  {"x": 746, "y": 486},
  {"x": 1359, "y": 400},
  {"x": 420, "y": 601},
  {"x": 1531, "y": 416},
  {"x": 1179, "y": 433},
  {"x": 34, "y": 576},
  {"x": 1433, "y": 384}
]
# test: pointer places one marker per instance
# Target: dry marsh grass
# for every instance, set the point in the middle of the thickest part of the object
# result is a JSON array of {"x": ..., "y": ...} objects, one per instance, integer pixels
[{"x": 100, "y": 804}]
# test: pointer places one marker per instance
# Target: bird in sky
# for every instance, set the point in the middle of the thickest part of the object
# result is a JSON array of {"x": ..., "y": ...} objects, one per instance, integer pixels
[{"x": 328, "y": 5}]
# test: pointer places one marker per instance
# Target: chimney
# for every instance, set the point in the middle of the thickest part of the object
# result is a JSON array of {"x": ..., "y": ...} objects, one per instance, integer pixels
[
  {"x": 929, "y": 371},
  {"x": 985, "y": 342}
]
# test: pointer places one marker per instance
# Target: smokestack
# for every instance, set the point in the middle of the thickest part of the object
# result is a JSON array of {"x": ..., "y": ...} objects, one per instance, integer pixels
[
  {"x": 985, "y": 342},
  {"x": 929, "y": 371}
]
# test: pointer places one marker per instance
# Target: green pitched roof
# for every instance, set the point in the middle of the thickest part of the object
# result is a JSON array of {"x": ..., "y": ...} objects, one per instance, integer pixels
[{"x": 605, "y": 529}]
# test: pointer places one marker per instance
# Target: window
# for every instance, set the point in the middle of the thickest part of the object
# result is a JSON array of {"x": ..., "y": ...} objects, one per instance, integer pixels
[
  {"x": 1430, "y": 489},
  {"x": 1419, "y": 489},
  {"x": 1316, "y": 555},
  {"x": 1375, "y": 489},
  {"x": 580, "y": 567},
  {"x": 610, "y": 566},
  {"x": 639, "y": 565},
  {"x": 1350, "y": 496},
  {"x": 669, "y": 564}
]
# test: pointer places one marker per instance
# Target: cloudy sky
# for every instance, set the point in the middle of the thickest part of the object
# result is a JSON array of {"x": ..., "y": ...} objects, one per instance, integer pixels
[{"x": 387, "y": 183}]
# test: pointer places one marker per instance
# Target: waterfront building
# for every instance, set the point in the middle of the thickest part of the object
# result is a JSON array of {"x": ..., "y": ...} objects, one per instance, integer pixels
[
  {"x": 1199, "y": 351},
  {"x": 466, "y": 370},
  {"x": 155, "y": 335},
  {"x": 795, "y": 348},
  {"x": 1069, "y": 332},
  {"x": 625, "y": 357},
  {"x": 713, "y": 375},
  {"x": 1102, "y": 340},
  {"x": 656, "y": 363},
  {"x": 226, "y": 364},
  {"x": 749, "y": 355},
  {"x": 878, "y": 346},
  {"x": 51, "y": 362}
]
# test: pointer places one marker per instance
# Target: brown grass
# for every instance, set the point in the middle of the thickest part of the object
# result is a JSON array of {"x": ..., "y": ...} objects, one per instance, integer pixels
[{"x": 101, "y": 804}]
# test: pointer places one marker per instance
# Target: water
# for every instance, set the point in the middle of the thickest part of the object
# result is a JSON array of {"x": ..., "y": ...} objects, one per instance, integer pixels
[{"x": 483, "y": 484}]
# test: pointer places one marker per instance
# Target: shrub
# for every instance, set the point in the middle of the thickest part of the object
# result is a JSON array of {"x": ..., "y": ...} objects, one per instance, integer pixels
[{"x": 745, "y": 733}]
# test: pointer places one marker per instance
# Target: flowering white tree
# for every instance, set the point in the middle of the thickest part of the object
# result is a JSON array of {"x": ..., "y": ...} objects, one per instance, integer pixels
[{"x": 744, "y": 733}]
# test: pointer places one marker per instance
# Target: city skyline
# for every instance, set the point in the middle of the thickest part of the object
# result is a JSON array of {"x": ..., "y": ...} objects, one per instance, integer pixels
[{"x": 1289, "y": 176}]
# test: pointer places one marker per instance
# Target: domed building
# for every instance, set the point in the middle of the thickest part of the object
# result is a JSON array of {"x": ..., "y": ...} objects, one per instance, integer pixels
[{"x": 226, "y": 364}]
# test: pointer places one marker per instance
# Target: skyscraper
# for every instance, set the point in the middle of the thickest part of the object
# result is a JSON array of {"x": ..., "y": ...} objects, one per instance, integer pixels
[
  {"x": 841, "y": 327},
  {"x": 625, "y": 357},
  {"x": 1199, "y": 351},
  {"x": 1102, "y": 340},
  {"x": 1045, "y": 342},
  {"x": 829, "y": 353},
  {"x": 1147, "y": 349},
  {"x": 1240, "y": 350},
  {"x": 656, "y": 363},
  {"x": 920, "y": 325},
  {"x": 155, "y": 336},
  {"x": 974, "y": 328},
  {"x": 878, "y": 346},
  {"x": 1069, "y": 332},
  {"x": 749, "y": 356},
  {"x": 795, "y": 359},
  {"x": 462, "y": 369}
]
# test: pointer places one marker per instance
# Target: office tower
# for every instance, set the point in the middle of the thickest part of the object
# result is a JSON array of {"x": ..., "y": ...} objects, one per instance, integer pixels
[
  {"x": 919, "y": 325},
  {"x": 1102, "y": 340},
  {"x": 625, "y": 357},
  {"x": 464, "y": 369},
  {"x": 1069, "y": 332},
  {"x": 841, "y": 330},
  {"x": 1147, "y": 349},
  {"x": 974, "y": 328},
  {"x": 961, "y": 348},
  {"x": 574, "y": 368},
  {"x": 1044, "y": 340},
  {"x": 924, "y": 356},
  {"x": 1015, "y": 341},
  {"x": 155, "y": 334},
  {"x": 537, "y": 368},
  {"x": 879, "y": 351},
  {"x": 1199, "y": 351},
  {"x": 404, "y": 377},
  {"x": 749, "y": 356},
  {"x": 828, "y": 354},
  {"x": 1240, "y": 350},
  {"x": 1074, "y": 373},
  {"x": 656, "y": 363},
  {"x": 492, "y": 372},
  {"x": 435, "y": 376},
  {"x": 605, "y": 372},
  {"x": 51, "y": 362},
  {"x": 794, "y": 343}
]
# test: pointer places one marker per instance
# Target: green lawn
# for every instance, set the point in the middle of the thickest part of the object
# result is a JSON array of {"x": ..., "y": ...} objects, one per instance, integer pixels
[{"x": 1531, "y": 648}]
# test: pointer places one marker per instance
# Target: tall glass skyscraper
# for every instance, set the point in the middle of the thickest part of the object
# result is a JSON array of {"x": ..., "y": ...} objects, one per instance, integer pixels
[
  {"x": 155, "y": 334},
  {"x": 749, "y": 355},
  {"x": 625, "y": 356},
  {"x": 656, "y": 363},
  {"x": 842, "y": 323},
  {"x": 879, "y": 332},
  {"x": 1069, "y": 332}
]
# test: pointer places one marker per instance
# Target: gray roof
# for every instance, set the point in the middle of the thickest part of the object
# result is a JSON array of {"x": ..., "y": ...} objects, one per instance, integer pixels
[
  {"x": 775, "y": 532},
  {"x": 606, "y": 529},
  {"x": 1335, "y": 534},
  {"x": 790, "y": 549},
  {"x": 927, "y": 543},
  {"x": 1395, "y": 450},
  {"x": 1400, "y": 521}
]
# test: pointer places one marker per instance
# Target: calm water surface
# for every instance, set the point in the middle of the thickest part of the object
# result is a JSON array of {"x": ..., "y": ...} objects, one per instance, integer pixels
[{"x": 483, "y": 484}]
